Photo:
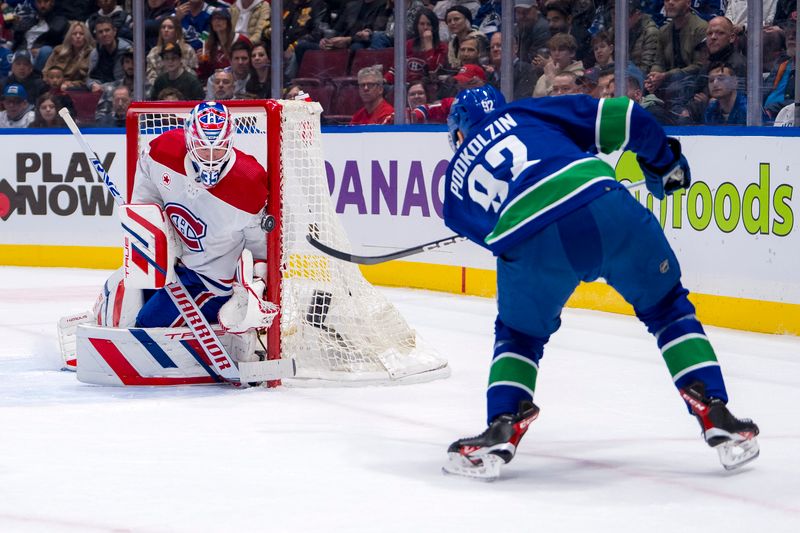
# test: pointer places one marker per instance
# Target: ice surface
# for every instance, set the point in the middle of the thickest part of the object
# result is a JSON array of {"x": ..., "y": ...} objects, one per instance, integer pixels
[{"x": 614, "y": 450}]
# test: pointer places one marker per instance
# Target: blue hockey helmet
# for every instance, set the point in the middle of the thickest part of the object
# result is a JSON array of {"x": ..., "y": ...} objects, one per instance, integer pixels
[{"x": 469, "y": 108}]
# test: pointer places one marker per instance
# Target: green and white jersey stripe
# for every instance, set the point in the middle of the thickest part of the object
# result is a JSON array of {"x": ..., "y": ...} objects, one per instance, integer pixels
[
  {"x": 549, "y": 193},
  {"x": 515, "y": 371},
  {"x": 687, "y": 353},
  {"x": 613, "y": 124}
]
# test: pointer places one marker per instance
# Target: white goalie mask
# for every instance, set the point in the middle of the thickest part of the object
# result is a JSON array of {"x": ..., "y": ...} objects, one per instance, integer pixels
[{"x": 209, "y": 141}]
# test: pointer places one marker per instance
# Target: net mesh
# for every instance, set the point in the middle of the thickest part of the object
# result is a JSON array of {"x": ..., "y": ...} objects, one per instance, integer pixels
[{"x": 334, "y": 323}]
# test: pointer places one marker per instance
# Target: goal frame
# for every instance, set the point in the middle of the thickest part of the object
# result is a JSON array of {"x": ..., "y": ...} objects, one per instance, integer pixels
[
  {"x": 332, "y": 322},
  {"x": 272, "y": 164}
]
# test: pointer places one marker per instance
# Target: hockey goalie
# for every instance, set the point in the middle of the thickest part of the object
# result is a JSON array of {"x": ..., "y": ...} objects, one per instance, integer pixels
[{"x": 188, "y": 301}]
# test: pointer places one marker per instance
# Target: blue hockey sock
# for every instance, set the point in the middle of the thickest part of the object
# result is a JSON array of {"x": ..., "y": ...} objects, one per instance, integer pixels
[
  {"x": 683, "y": 343},
  {"x": 515, "y": 366}
]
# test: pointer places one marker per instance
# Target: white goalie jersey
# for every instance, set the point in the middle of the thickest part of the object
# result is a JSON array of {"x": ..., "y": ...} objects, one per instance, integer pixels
[{"x": 214, "y": 225}]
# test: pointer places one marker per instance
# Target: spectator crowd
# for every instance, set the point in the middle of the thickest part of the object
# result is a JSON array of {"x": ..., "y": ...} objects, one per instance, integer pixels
[{"x": 686, "y": 58}]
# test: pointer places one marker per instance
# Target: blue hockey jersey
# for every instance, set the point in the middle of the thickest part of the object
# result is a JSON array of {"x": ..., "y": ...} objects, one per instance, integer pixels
[{"x": 532, "y": 161}]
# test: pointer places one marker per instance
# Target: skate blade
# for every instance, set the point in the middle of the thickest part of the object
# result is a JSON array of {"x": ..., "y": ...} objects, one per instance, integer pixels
[
  {"x": 488, "y": 468},
  {"x": 734, "y": 455}
]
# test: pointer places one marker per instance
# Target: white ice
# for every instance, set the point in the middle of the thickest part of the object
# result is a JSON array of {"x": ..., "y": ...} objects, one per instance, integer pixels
[{"x": 614, "y": 449}]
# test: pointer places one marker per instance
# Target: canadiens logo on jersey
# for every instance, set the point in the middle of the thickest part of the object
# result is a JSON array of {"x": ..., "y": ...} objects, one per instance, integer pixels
[
  {"x": 166, "y": 180},
  {"x": 190, "y": 228}
]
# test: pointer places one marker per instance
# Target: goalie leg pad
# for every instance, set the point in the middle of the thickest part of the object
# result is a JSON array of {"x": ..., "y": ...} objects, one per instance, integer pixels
[
  {"x": 67, "y": 326},
  {"x": 118, "y": 304}
]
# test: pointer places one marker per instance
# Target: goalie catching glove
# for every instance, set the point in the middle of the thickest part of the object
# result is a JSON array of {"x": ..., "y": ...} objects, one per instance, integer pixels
[
  {"x": 247, "y": 310},
  {"x": 661, "y": 181}
]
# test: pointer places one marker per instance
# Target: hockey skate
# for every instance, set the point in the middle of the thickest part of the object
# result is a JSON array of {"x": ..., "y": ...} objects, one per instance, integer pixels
[
  {"x": 733, "y": 438},
  {"x": 481, "y": 457}
]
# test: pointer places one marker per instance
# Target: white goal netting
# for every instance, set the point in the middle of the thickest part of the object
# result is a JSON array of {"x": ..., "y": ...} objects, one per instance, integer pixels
[{"x": 335, "y": 324}]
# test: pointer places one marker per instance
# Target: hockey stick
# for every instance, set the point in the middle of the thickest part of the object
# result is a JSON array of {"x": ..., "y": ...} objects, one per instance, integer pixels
[
  {"x": 378, "y": 259},
  {"x": 208, "y": 340}
]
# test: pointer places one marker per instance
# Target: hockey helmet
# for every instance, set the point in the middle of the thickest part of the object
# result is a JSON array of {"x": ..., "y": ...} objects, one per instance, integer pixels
[
  {"x": 209, "y": 141},
  {"x": 469, "y": 108}
]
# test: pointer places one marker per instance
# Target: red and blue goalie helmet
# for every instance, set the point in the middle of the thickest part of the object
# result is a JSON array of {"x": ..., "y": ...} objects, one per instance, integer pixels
[
  {"x": 469, "y": 108},
  {"x": 209, "y": 141}
]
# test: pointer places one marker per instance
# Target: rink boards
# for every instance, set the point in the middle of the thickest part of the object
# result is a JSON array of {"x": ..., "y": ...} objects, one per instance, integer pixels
[{"x": 734, "y": 230}]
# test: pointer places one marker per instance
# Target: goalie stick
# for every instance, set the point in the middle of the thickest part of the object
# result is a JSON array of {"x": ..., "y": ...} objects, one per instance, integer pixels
[
  {"x": 311, "y": 237},
  {"x": 208, "y": 340}
]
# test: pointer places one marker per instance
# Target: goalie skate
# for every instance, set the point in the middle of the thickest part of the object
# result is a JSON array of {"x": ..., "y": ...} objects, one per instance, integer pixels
[
  {"x": 481, "y": 457},
  {"x": 733, "y": 438}
]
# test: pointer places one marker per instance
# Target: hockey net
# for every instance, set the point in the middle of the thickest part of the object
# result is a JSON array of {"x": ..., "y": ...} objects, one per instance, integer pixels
[{"x": 338, "y": 328}]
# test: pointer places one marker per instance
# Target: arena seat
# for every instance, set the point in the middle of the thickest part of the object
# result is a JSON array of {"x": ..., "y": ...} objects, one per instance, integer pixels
[
  {"x": 85, "y": 103},
  {"x": 367, "y": 58},
  {"x": 321, "y": 65}
]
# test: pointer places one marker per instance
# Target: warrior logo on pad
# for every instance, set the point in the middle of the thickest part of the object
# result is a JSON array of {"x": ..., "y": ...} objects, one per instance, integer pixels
[{"x": 190, "y": 228}]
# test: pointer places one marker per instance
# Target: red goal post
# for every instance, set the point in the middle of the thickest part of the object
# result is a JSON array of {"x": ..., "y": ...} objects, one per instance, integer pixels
[{"x": 336, "y": 325}]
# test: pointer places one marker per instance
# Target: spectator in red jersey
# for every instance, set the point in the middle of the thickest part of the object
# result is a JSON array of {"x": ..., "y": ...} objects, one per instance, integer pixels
[
  {"x": 425, "y": 53},
  {"x": 376, "y": 109}
]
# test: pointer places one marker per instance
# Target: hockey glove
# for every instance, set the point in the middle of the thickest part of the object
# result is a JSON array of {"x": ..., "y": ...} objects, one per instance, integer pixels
[{"x": 666, "y": 180}]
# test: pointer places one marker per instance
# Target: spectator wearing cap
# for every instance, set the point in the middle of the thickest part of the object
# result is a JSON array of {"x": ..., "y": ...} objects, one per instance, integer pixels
[
  {"x": 41, "y": 33},
  {"x": 175, "y": 75},
  {"x": 643, "y": 38},
  {"x": 195, "y": 18},
  {"x": 105, "y": 61},
  {"x": 216, "y": 52},
  {"x": 73, "y": 56},
  {"x": 523, "y": 73},
  {"x": 468, "y": 77},
  {"x": 562, "y": 48},
  {"x": 122, "y": 20},
  {"x": 376, "y": 109},
  {"x": 170, "y": 32},
  {"x": 18, "y": 111},
  {"x": 22, "y": 72},
  {"x": 532, "y": 29},
  {"x": 251, "y": 19}
]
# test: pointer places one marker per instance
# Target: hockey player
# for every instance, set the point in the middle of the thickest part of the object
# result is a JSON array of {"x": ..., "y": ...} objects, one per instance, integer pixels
[
  {"x": 523, "y": 183},
  {"x": 214, "y": 196}
]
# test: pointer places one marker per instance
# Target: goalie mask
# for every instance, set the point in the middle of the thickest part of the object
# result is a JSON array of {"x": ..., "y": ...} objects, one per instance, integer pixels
[
  {"x": 469, "y": 108},
  {"x": 209, "y": 141}
]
